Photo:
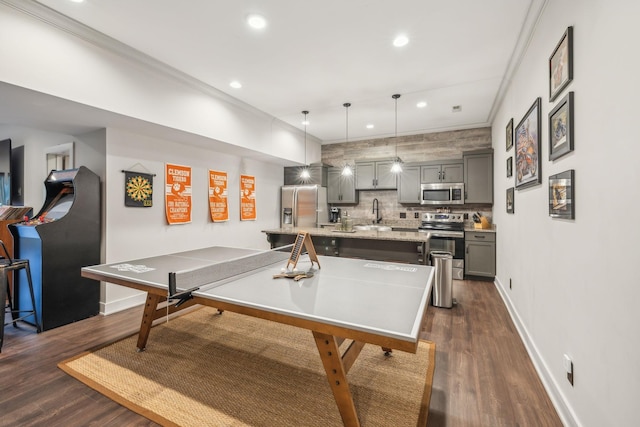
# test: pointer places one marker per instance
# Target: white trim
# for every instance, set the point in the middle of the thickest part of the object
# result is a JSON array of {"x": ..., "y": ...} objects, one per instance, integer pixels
[
  {"x": 566, "y": 414},
  {"x": 123, "y": 304},
  {"x": 103, "y": 41}
]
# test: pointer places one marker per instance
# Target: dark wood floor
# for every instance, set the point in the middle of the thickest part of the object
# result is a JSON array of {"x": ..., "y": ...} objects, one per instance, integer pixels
[{"x": 483, "y": 374}]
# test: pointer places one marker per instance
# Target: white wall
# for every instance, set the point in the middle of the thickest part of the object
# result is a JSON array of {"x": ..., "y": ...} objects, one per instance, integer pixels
[
  {"x": 62, "y": 60},
  {"x": 35, "y": 143},
  {"x": 136, "y": 232},
  {"x": 575, "y": 282}
]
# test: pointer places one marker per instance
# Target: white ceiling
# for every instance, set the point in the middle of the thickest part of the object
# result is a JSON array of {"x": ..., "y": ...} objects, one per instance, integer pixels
[{"x": 318, "y": 54}]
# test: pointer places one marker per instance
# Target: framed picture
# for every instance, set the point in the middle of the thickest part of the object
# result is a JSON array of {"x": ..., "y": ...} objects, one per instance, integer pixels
[
  {"x": 561, "y": 65},
  {"x": 527, "y": 140},
  {"x": 510, "y": 166},
  {"x": 561, "y": 128},
  {"x": 510, "y": 199},
  {"x": 561, "y": 195},
  {"x": 510, "y": 134}
]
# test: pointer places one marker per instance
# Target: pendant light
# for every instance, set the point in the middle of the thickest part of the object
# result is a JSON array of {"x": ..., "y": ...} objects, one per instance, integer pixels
[
  {"x": 347, "y": 170},
  {"x": 305, "y": 174},
  {"x": 397, "y": 163}
]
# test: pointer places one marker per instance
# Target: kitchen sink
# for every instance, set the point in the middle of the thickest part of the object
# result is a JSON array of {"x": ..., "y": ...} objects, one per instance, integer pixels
[{"x": 371, "y": 227}]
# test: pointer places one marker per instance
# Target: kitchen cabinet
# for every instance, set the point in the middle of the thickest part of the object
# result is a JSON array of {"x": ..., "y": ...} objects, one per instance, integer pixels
[
  {"x": 480, "y": 253},
  {"x": 478, "y": 176},
  {"x": 340, "y": 189},
  {"x": 409, "y": 184},
  {"x": 442, "y": 172},
  {"x": 375, "y": 175},
  {"x": 398, "y": 247}
]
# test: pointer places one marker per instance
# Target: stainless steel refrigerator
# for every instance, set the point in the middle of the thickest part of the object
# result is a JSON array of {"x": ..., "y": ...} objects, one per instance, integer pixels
[{"x": 303, "y": 206}]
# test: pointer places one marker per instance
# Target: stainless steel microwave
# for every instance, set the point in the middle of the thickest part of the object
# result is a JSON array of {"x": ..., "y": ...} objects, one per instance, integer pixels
[{"x": 442, "y": 193}]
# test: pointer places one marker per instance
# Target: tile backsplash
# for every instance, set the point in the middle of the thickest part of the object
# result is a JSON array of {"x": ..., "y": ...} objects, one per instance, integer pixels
[{"x": 390, "y": 210}]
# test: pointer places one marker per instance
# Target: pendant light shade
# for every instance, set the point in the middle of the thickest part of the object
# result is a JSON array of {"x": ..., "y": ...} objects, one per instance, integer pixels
[
  {"x": 397, "y": 163},
  {"x": 347, "y": 170},
  {"x": 304, "y": 173}
]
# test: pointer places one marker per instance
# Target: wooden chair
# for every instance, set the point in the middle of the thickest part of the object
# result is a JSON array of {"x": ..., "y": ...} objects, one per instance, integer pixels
[{"x": 8, "y": 264}]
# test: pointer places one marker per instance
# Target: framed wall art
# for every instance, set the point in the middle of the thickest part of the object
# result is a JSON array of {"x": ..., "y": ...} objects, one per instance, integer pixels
[
  {"x": 561, "y": 65},
  {"x": 510, "y": 167},
  {"x": 509, "y": 135},
  {"x": 561, "y": 195},
  {"x": 561, "y": 128},
  {"x": 527, "y": 141},
  {"x": 510, "y": 200}
]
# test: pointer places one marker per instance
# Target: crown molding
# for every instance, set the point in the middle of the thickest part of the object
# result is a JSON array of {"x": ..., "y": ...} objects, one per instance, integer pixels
[{"x": 63, "y": 23}]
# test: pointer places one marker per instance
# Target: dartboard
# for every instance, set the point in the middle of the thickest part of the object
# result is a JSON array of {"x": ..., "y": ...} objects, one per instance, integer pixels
[{"x": 139, "y": 188}]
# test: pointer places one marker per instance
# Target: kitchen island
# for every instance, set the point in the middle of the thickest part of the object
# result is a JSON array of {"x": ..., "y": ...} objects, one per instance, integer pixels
[{"x": 394, "y": 246}]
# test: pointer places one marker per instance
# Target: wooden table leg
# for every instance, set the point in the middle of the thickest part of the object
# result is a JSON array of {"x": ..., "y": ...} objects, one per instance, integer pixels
[
  {"x": 337, "y": 377},
  {"x": 147, "y": 319}
]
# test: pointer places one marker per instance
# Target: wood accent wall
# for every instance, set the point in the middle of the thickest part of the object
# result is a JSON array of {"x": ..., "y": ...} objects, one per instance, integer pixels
[{"x": 411, "y": 148}]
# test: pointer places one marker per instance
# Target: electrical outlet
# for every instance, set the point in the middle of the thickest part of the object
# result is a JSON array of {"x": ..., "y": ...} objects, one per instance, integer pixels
[
  {"x": 509, "y": 282},
  {"x": 416, "y": 215},
  {"x": 568, "y": 367},
  {"x": 403, "y": 215}
]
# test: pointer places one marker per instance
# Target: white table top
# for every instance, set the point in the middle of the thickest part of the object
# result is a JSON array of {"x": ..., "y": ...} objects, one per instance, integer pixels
[{"x": 377, "y": 297}]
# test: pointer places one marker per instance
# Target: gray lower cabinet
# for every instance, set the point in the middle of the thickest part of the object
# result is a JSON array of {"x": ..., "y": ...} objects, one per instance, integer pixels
[
  {"x": 478, "y": 176},
  {"x": 375, "y": 175},
  {"x": 340, "y": 189},
  {"x": 480, "y": 253},
  {"x": 409, "y": 185},
  {"x": 409, "y": 252}
]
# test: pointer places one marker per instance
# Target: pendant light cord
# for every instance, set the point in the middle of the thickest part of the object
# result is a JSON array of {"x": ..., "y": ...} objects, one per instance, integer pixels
[{"x": 395, "y": 97}]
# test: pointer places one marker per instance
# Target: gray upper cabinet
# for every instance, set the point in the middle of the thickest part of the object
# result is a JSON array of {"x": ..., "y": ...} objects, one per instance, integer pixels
[
  {"x": 340, "y": 189},
  {"x": 409, "y": 185},
  {"x": 375, "y": 175},
  {"x": 442, "y": 172},
  {"x": 478, "y": 176}
]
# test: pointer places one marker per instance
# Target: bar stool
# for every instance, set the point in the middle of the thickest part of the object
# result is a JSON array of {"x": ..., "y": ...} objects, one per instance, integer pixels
[{"x": 8, "y": 264}]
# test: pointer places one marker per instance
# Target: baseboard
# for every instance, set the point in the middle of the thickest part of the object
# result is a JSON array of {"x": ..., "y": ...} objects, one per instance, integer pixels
[
  {"x": 567, "y": 416},
  {"x": 122, "y": 304}
]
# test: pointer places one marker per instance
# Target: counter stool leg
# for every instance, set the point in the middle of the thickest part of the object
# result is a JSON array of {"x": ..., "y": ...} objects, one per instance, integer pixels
[
  {"x": 3, "y": 298},
  {"x": 33, "y": 299}
]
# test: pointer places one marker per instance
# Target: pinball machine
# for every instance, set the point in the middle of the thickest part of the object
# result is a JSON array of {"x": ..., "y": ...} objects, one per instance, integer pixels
[{"x": 58, "y": 241}]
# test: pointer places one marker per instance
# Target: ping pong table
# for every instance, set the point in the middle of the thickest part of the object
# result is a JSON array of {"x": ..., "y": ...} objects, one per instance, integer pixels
[{"x": 365, "y": 301}]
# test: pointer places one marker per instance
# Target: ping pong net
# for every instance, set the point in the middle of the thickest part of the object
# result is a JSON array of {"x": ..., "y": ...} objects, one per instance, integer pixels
[{"x": 182, "y": 283}]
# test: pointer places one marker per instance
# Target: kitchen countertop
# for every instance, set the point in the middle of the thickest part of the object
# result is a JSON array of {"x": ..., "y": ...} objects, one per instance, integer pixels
[
  {"x": 482, "y": 230},
  {"x": 407, "y": 236}
]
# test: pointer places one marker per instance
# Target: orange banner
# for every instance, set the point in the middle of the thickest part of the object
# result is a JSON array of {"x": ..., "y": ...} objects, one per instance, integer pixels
[
  {"x": 177, "y": 194},
  {"x": 247, "y": 197},
  {"x": 218, "y": 204}
]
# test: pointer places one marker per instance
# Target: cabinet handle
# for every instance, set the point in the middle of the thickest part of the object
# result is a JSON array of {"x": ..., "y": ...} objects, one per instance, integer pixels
[
  {"x": 443, "y": 174},
  {"x": 467, "y": 248},
  {"x": 479, "y": 237}
]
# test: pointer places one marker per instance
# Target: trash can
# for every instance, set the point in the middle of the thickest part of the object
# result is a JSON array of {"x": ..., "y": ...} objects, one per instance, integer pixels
[{"x": 442, "y": 292}]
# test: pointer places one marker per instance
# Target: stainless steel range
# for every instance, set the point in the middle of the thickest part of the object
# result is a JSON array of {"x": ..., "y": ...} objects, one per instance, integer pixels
[{"x": 447, "y": 234}]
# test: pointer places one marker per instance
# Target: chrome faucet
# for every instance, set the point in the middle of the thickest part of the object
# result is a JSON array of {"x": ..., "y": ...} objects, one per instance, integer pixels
[{"x": 376, "y": 210}]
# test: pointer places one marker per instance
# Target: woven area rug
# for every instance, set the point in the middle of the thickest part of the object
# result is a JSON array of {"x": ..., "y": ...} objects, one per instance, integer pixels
[{"x": 205, "y": 369}]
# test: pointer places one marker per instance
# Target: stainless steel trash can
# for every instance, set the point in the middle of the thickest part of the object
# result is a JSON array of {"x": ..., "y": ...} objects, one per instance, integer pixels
[{"x": 442, "y": 292}]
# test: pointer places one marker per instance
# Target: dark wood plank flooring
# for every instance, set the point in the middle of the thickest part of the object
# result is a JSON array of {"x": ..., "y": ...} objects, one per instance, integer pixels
[{"x": 483, "y": 374}]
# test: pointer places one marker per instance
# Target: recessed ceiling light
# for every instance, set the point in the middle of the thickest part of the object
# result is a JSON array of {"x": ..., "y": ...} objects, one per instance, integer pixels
[
  {"x": 456, "y": 108},
  {"x": 235, "y": 84},
  {"x": 421, "y": 104},
  {"x": 400, "y": 40},
  {"x": 256, "y": 21},
  {"x": 77, "y": 1},
  {"x": 370, "y": 126}
]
